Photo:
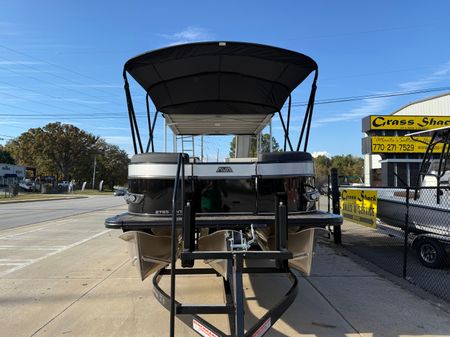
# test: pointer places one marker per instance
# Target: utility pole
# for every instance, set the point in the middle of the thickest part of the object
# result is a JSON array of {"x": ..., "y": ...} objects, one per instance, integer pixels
[
  {"x": 217, "y": 158},
  {"x": 271, "y": 143},
  {"x": 201, "y": 148},
  {"x": 93, "y": 174},
  {"x": 165, "y": 135},
  {"x": 175, "y": 143}
]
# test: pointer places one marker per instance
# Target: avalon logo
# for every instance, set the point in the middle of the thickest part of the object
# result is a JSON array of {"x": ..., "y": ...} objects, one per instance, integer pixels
[{"x": 224, "y": 169}]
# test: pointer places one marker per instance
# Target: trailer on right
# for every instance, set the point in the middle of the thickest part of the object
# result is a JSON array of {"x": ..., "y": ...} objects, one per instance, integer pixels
[{"x": 422, "y": 211}]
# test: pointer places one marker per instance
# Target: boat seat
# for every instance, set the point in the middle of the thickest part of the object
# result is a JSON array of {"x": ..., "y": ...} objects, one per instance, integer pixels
[
  {"x": 284, "y": 157},
  {"x": 157, "y": 157}
]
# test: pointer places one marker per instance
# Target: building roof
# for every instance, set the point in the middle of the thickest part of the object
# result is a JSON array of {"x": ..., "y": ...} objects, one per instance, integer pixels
[{"x": 421, "y": 101}]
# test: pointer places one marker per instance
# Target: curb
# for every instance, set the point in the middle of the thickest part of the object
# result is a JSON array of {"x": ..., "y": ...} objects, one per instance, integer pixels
[{"x": 44, "y": 199}]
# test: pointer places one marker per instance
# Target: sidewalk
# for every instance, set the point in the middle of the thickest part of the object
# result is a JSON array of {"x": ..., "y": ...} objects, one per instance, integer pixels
[
  {"x": 371, "y": 304},
  {"x": 91, "y": 289}
]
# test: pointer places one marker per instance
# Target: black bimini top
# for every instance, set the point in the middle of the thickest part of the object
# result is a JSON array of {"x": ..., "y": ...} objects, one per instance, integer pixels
[{"x": 219, "y": 87}]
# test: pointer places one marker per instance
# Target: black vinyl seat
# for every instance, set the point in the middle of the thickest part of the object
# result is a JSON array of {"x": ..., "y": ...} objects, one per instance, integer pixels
[{"x": 284, "y": 157}]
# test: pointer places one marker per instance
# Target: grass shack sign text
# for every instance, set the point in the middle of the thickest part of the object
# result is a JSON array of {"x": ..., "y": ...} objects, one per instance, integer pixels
[{"x": 359, "y": 206}]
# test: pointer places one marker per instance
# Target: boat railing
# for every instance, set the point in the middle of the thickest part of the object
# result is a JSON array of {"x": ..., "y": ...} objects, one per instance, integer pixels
[{"x": 179, "y": 175}]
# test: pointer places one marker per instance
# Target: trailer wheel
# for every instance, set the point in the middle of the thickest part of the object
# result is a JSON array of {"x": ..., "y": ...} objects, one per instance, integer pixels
[{"x": 431, "y": 253}]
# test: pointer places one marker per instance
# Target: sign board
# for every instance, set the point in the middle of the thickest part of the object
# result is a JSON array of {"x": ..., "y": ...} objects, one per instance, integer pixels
[
  {"x": 398, "y": 122},
  {"x": 12, "y": 170},
  {"x": 360, "y": 206},
  {"x": 402, "y": 145}
]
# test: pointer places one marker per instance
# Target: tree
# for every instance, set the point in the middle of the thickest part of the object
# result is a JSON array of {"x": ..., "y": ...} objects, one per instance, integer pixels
[
  {"x": 68, "y": 152},
  {"x": 112, "y": 164},
  {"x": 55, "y": 148},
  {"x": 347, "y": 165},
  {"x": 265, "y": 147},
  {"x": 5, "y": 156},
  {"x": 322, "y": 166}
]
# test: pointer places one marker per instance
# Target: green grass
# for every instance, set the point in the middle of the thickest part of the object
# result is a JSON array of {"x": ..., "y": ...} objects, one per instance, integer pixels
[
  {"x": 29, "y": 196},
  {"x": 38, "y": 196}
]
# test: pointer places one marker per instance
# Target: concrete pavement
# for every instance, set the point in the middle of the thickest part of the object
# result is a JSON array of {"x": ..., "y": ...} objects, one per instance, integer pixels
[{"x": 71, "y": 277}]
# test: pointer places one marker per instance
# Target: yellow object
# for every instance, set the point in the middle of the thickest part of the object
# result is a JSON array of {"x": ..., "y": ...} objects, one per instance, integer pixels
[
  {"x": 408, "y": 122},
  {"x": 402, "y": 145},
  {"x": 360, "y": 206}
]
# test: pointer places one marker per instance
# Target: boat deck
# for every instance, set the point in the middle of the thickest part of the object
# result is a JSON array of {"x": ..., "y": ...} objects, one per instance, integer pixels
[{"x": 317, "y": 218}]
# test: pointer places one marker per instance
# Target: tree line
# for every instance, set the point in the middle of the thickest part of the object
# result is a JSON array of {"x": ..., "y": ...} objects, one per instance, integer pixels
[
  {"x": 68, "y": 153},
  {"x": 253, "y": 151},
  {"x": 347, "y": 165}
]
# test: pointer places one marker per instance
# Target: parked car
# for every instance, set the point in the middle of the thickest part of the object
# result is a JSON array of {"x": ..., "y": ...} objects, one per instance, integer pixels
[
  {"x": 64, "y": 184},
  {"x": 27, "y": 185},
  {"x": 120, "y": 192}
]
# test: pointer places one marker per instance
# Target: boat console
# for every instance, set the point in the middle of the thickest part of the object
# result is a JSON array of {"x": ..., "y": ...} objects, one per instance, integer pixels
[
  {"x": 225, "y": 187},
  {"x": 220, "y": 193}
]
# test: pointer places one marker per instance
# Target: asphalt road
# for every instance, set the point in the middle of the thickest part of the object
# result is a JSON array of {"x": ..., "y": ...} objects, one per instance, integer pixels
[{"x": 20, "y": 214}]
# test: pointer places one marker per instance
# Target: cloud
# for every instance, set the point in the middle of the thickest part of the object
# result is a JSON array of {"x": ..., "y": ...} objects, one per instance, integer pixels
[
  {"x": 9, "y": 122},
  {"x": 371, "y": 106},
  {"x": 316, "y": 154},
  {"x": 18, "y": 62},
  {"x": 187, "y": 35},
  {"x": 102, "y": 86},
  {"x": 112, "y": 128},
  {"x": 440, "y": 74},
  {"x": 76, "y": 100},
  {"x": 118, "y": 140}
]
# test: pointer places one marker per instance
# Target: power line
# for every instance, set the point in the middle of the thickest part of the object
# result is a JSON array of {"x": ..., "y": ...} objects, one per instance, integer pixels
[
  {"x": 114, "y": 115},
  {"x": 374, "y": 96},
  {"x": 53, "y": 97},
  {"x": 55, "y": 65},
  {"x": 55, "y": 85}
]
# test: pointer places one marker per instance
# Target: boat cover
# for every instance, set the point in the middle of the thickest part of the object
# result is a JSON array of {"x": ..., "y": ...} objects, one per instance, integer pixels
[{"x": 219, "y": 87}]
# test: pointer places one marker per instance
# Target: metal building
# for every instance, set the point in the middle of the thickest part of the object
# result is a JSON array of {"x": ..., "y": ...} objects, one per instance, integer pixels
[
  {"x": 390, "y": 159},
  {"x": 11, "y": 174}
]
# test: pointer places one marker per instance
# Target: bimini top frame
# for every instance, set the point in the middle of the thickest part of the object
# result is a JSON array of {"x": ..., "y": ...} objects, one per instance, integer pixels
[
  {"x": 217, "y": 88},
  {"x": 439, "y": 136}
]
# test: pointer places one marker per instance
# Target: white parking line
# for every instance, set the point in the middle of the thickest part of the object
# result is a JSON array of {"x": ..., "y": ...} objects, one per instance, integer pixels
[
  {"x": 9, "y": 247},
  {"x": 11, "y": 264},
  {"x": 63, "y": 248},
  {"x": 23, "y": 233}
]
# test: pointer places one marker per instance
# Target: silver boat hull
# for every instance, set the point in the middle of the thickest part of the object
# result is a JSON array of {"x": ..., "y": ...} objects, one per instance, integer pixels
[
  {"x": 148, "y": 252},
  {"x": 302, "y": 244}
]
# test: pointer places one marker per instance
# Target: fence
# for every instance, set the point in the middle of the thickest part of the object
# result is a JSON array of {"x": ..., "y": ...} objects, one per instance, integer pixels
[{"x": 410, "y": 237}]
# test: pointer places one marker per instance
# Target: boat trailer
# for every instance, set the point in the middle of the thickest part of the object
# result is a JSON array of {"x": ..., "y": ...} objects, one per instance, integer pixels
[{"x": 236, "y": 256}]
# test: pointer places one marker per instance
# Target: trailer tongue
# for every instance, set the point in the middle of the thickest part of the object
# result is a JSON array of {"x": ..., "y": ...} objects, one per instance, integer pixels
[{"x": 225, "y": 213}]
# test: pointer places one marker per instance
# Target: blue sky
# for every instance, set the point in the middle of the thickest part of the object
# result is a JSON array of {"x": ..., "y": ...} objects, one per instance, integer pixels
[{"x": 62, "y": 60}]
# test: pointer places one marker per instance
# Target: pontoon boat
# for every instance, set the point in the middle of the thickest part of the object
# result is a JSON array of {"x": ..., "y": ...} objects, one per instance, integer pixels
[{"x": 225, "y": 213}]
